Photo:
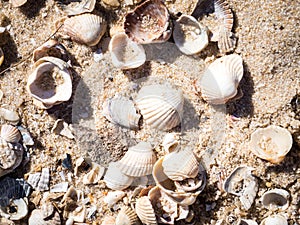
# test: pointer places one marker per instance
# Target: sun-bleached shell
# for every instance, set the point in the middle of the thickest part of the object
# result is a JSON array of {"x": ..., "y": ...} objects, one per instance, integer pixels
[
  {"x": 82, "y": 7},
  {"x": 145, "y": 211},
  {"x": 130, "y": 166},
  {"x": 271, "y": 143},
  {"x": 189, "y": 35},
  {"x": 121, "y": 111},
  {"x": 126, "y": 216},
  {"x": 10, "y": 133},
  {"x": 50, "y": 48},
  {"x": 148, "y": 23},
  {"x": 170, "y": 142},
  {"x": 276, "y": 219},
  {"x": 21, "y": 210},
  {"x": 9, "y": 115},
  {"x": 125, "y": 53},
  {"x": 276, "y": 198},
  {"x": 94, "y": 175},
  {"x": 221, "y": 79},
  {"x": 17, "y": 3},
  {"x": 113, "y": 197},
  {"x": 161, "y": 106},
  {"x": 37, "y": 218}
]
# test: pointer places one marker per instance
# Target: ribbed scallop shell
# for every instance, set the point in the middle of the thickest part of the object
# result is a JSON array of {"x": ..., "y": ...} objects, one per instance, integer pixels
[
  {"x": 125, "y": 53},
  {"x": 189, "y": 35},
  {"x": 10, "y": 133},
  {"x": 121, "y": 111},
  {"x": 276, "y": 198},
  {"x": 115, "y": 179},
  {"x": 126, "y": 216},
  {"x": 148, "y": 23},
  {"x": 85, "y": 29},
  {"x": 277, "y": 219},
  {"x": 161, "y": 106},
  {"x": 129, "y": 164},
  {"x": 271, "y": 143},
  {"x": 145, "y": 211},
  {"x": 180, "y": 165},
  {"x": 220, "y": 80}
]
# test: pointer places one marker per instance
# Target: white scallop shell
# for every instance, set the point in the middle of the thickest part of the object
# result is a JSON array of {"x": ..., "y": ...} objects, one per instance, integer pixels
[
  {"x": 220, "y": 80},
  {"x": 277, "y": 219},
  {"x": 126, "y": 216},
  {"x": 189, "y": 35},
  {"x": 115, "y": 179},
  {"x": 161, "y": 106},
  {"x": 271, "y": 143},
  {"x": 145, "y": 211},
  {"x": 20, "y": 205},
  {"x": 276, "y": 198},
  {"x": 10, "y": 133},
  {"x": 125, "y": 53},
  {"x": 130, "y": 166},
  {"x": 121, "y": 111}
]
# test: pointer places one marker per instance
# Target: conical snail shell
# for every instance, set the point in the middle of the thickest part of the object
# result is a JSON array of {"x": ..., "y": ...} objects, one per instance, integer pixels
[
  {"x": 10, "y": 133},
  {"x": 145, "y": 211}
]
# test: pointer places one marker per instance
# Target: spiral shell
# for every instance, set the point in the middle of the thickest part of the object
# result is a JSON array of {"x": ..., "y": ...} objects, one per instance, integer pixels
[
  {"x": 10, "y": 133},
  {"x": 145, "y": 211}
]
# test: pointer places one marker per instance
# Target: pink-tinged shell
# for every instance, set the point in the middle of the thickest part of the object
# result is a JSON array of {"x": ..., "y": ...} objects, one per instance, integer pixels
[
  {"x": 148, "y": 23},
  {"x": 85, "y": 29},
  {"x": 145, "y": 211},
  {"x": 10, "y": 133},
  {"x": 50, "y": 48}
]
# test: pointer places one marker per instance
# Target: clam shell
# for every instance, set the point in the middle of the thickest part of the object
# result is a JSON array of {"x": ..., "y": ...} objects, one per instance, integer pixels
[
  {"x": 161, "y": 106},
  {"x": 145, "y": 211},
  {"x": 220, "y": 80},
  {"x": 271, "y": 143},
  {"x": 148, "y": 23},
  {"x": 121, "y": 111},
  {"x": 50, "y": 48},
  {"x": 37, "y": 218},
  {"x": 10, "y": 133},
  {"x": 189, "y": 35},
  {"x": 126, "y": 54},
  {"x": 85, "y": 29},
  {"x": 275, "y": 220},
  {"x": 126, "y": 216},
  {"x": 137, "y": 168},
  {"x": 21, "y": 210},
  {"x": 17, "y": 3},
  {"x": 1, "y": 56},
  {"x": 115, "y": 179},
  {"x": 277, "y": 198}
]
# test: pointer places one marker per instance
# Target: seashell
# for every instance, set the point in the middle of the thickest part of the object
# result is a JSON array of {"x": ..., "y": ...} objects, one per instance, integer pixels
[
  {"x": 189, "y": 35},
  {"x": 37, "y": 218},
  {"x": 148, "y": 23},
  {"x": 137, "y": 168},
  {"x": 277, "y": 219},
  {"x": 248, "y": 222},
  {"x": 43, "y": 183},
  {"x": 60, "y": 187},
  {"x": 33, "y": 179},
  {"x": 17, "y": 3},
  {"x": 26, "y": 137},
  {"x": 121, "y": 111},
  {"x": 9, "y": 115},
  {"x": 78, "y": 214},
  {"x": 126, "y": 216},
  {"x": 271, "y": 143},
  {"x": 220, "y": 80},
  {"x": 83, "y": 7},
  {"x": 47, "y": 209},
  {"x": 1, "y": 56},
  {"x": 161, "y": 106},
  {"x": 181, "y": 164},
  {"x": 20, "y": 210},
  {"x": 241, "y": 183},
  {"x": 60, "y": 127},
  {"x": 126, "y": 54},
  {"x": 94, "y": 175},
  {"x": 51, "y": 82},
  {"x": 113, "y": 197},
  {"x": 115, "y": 179},
  {"x": 108, "y": 220},
  {"x": 170, "y": 142},
  {"x": 10, "y": 133},
  {"x": 85, "y": 29},
  {"x": 276, "y": 198},
  {"x": 145, "y": 211},
  {"x": 1, "y": 92},
  {"x": 226, "y": 42}
]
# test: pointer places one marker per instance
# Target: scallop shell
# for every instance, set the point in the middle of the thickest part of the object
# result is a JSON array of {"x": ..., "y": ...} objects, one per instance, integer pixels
[
  {"x": 137, "y": 168},
  {"x": 10, "y": 133},
  {"x": 126, "y": 54},
  {"x": 226, "y": 42},
  {"x": 220, "y": 80},
  {"x": 51, "y": 82},
  {"x": 277, "y": 198},
  {"x": 148, "y": 23},
  {"x": 275, "y": 220},
  {"x": 50, "y": 48},
  {"x": 85, "y": 29},
  {"x": 109, "y": 220},
  {"x": 1, "y": 56},
  {"x": 126, "y": 216},
  {"x": 181, "y": 164},
  {"x": 189, "y": 35},
  {"x": 161, "y": 106},
  {"x": 115, "y": 179},
  {"x": 121, "y": 111},
  {"x": 17, "y": 3},
  {"x": 21, "y": 210},
  {"x": 145, "y": 211},
  {"x": 37, "y": 218},
  {"x": 271, "y": 143}
]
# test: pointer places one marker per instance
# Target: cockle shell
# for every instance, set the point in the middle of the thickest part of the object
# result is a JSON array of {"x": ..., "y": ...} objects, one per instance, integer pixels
[
  {"x": 220, "y": 81},
  {"x": 10, "y": 133},
  {"x": 161, "y": 106},
  {"x": 145, "y": 211},
  {"x": 17, "y": 3},
  {"x": 51, "y": 81},
  {"x": 121, "y": 111},
  {"x": 21, "y": 209},
  {"x": 189, "y": 35},
  {"x": 50, "y": 48},
  {"x": 115, "y": 179},
  {"x": 130, "y": 166},
  {"x": 271, "y": 143},
  {"x": 1, "y": 56},
  {"x": 126, "y": 216},
  {"x": 148, "y": 23},
  {"x": 85, "y": 29},
  {"x": 277, "y": 219},
  {"x": 125, "y": 53},
  {"x": 276, "y": 198}
]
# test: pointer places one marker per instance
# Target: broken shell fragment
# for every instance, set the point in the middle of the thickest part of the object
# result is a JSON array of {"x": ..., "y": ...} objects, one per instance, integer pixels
[
  {"x": 83, "y": 7},
  {"x": 113, "y": 197},
  {"x": 189, "y": 35},
  {"x": 271, "y": 143},
  {"x": 125, "y": 53},
  {"x": 51, "y": 48},
  {"x": 276, "y": 198},
  {"x": 94, "y": 175},
  {"x": 10, "y": 133},
  {"x": 126, "y": 216},
  {"x": 221, "y": 79},
  {"x": 17, "y": 209},
  {"x": 277, "y": 219},
  {"x": 17, "y": 3},
  {"x": 1, "y": 56},
  {"x": 60, "y": 127},
  {"x": 161, "y": 106},
  {"x": 145, "y": 211},
  {"x": 148, "y": 23},
  {"x": 170, "y": 142}
]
